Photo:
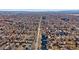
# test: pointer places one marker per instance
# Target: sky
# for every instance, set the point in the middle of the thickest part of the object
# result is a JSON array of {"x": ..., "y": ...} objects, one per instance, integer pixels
[
  {"x": 35, "y": 10},
  {"x": 36, "y": 5}
]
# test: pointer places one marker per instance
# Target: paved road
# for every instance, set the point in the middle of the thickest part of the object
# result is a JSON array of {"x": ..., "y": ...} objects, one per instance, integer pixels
[{"x": 38, "y": 35}]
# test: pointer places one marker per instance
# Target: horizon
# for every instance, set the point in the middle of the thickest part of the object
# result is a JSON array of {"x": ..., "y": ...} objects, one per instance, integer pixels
[{"x": 39, "y": 10}]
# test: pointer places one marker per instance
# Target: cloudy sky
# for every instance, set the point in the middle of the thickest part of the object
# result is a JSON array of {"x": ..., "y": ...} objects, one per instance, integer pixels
[{"x": 39, "y": 4}]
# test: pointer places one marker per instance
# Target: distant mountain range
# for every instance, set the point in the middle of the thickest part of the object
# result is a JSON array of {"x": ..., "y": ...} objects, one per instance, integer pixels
[
  {"x": 38, "y": 12},
  {"x": 69, "y": 12}
]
